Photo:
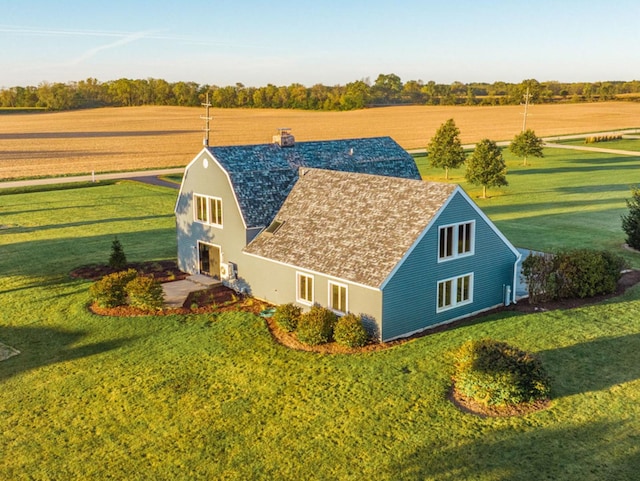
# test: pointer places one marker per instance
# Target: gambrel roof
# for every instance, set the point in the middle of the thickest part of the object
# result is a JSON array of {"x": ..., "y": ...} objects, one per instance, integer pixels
[
  {"x": 262, "y": 175},
  {"x": 355, "y": 227}
]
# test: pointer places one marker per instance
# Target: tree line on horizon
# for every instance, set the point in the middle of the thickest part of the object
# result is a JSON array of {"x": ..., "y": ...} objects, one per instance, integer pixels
[{"x": 387, "y": 89}]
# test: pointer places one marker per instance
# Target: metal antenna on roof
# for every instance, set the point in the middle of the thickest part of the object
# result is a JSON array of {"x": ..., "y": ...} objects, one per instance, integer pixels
[{"x": 206, "y": 119}]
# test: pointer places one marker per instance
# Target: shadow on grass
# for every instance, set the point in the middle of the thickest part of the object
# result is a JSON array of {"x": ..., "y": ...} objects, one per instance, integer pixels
[
  {"x": 43, "y": 346},
  {"x": 583, "y": 165},
  {"x": 21, "y": 230},
  {"x": 575, "y": 205},
  {"x": 594, "y": 365},
  {"x": 45, "y": 258},
  {"x": 592, "y": 189},
  {"x": 584, "y": 452}
]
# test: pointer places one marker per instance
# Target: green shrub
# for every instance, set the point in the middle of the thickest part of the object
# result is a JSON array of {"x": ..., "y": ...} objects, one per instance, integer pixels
[
  {"x": 587, "y": 273},
  {"x": 110, "y": 290},
  {"x": 631, "y": 221},
  {"x": 316, "y": 326},
  {"x": 350, "y": 332},
  {"x": 145, "y": 292},
  {"x": 117, "y": 259},
  {"x": 494, "y": 373},
  {"x": 539, "y": 273},
  {"x": 287, "y": 317},
  {"x": 571, "y": 274}
]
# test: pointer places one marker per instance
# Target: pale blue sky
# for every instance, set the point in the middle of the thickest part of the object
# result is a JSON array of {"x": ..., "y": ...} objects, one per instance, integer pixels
[{"x": 331, "y": 42}]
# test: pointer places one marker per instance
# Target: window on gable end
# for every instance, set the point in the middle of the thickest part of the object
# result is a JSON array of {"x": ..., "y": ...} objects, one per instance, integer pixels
[
  {"x": 455, "y": 292},
  {"x": 216, "y": 211},
  {"x": 456, "y": 240},
  {"x": 207, "y": 210},
  {"x": 201, "y": 211}
]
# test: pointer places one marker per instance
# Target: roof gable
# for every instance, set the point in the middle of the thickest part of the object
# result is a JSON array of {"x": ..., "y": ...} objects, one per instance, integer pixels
[
  {"x": 263, "y": 175},
  {"x": 352, "y": 226}
]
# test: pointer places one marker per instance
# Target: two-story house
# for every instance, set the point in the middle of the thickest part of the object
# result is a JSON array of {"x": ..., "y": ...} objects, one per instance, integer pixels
[{"x": 347, "y": 224}]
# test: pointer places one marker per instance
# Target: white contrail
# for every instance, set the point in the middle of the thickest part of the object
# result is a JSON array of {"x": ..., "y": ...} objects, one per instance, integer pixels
[
  {"x": 126, "y": 36},
  {"x": 94, "y": 51}
]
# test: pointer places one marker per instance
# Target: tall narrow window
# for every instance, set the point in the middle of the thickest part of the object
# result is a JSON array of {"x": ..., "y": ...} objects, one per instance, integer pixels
[
  {"x": 201, "y": 208},
  {"x": 464, "y": 238},
  {"x": 455, "y": 292},
  {"x": 216, "y": 211},
  {"x": 444, "y": 294},
  {"x": 446, "y": 242},
  {"x": 305, "y": 288},
  {"x": 338, "y": 297},
  {"x": 456, "y": 240}
]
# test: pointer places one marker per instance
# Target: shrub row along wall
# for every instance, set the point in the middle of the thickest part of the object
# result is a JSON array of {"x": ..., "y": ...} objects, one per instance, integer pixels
[{"x": 571, "y": 274}]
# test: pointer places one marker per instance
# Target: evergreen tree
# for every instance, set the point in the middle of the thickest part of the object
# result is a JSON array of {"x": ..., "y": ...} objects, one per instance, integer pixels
[
  {"x": 445, "y": 150},
  {"x": 486, "y": 166},
  {"x": 117, "y": 260},
  {"x": 631, "y": 221},
  {"x": 527, "y": 144}
]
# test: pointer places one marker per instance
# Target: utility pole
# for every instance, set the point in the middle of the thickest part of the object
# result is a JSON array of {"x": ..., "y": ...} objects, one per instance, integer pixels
[
  {"x": 206, "y": 118},
  {"x": 527, "y": 96}
]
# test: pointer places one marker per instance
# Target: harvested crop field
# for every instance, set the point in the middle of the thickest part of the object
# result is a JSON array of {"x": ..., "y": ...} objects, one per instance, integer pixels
[{"x": 115, "y": 139}]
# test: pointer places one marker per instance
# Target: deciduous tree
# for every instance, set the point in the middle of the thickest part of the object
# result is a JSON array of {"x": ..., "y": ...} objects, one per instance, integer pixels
[
  {"x": 486, "y": 166},
  {"x": 527, "y": 144},
  {"x": 445, "y": 150}
]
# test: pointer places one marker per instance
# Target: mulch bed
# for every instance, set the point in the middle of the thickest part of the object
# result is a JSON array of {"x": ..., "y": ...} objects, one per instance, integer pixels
[
  {"x": 471, "y": 406},
  {"x": 215, "y": 299},
  {"x": 163, "y": 271}
]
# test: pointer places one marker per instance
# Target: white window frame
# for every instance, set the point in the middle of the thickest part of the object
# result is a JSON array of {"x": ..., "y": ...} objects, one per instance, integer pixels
[
  {"x": 455, "y": 241},
  {"x": 346, "y": 297},
  {"x": 213, "y": 207},
  {"x": 453, "y": 293},
  {"x": 300, "y": 299}
]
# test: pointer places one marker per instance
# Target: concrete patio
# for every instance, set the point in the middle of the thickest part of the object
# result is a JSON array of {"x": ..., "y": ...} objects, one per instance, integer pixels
[{"x": 176, "y": 292}]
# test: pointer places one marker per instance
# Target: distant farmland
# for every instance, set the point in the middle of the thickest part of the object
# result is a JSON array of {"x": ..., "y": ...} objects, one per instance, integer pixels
[{"x": 114, "y": 139}]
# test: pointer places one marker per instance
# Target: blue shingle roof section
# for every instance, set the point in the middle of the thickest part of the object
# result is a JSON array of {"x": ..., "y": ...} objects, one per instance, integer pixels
[{"x": 263, "y": 175}]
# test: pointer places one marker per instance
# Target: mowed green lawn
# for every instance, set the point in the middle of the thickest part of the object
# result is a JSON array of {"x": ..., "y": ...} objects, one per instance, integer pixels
[
  {"x": 566, "y": 199},
  {"x": 199, "y": 397}
]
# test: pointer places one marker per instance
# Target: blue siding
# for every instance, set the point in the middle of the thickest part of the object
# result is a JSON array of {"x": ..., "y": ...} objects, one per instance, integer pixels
[{"x": 410, "y": 296}]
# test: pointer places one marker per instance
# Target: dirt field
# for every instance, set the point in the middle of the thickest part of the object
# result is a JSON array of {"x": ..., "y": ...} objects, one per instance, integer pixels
[{"x": 113, "y": 139}]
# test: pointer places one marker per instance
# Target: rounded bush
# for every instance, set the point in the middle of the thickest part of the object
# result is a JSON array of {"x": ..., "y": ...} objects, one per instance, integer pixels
[
  {"x": 287, "y": 317},
  {"x": 494, "y": 373},
  {"x": 350, "y": 332},
  {"x": 110, "y": 290},
  {"x": 316, "y": 326},
  {"x": 145, "y": 292}
]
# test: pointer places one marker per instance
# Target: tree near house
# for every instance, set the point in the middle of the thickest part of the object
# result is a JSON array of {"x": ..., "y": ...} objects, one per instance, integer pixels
[
  {"x": 527, "y": 144},
  {"x": 486, "y": 166},
  {"x": 444, "y": 149}
]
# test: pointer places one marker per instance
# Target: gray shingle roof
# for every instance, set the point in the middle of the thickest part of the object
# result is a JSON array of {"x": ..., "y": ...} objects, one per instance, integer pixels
[
  {"x": 355, "y": 227},
  {"x": 263, "y": 175}
]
